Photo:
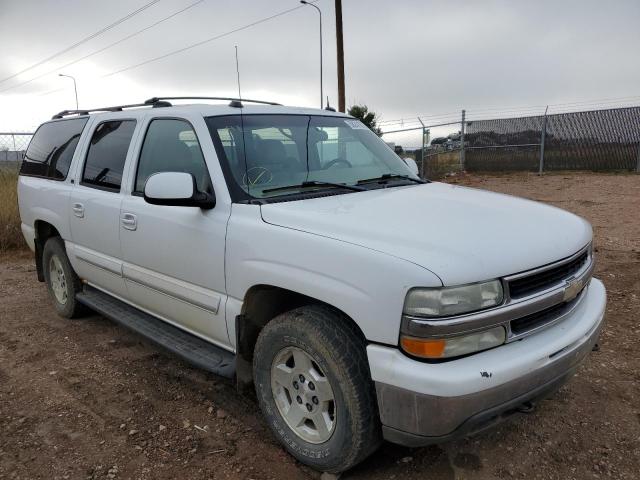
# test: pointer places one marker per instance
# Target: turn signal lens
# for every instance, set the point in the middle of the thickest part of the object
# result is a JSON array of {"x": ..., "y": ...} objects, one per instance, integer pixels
[
  {"x": 453, "y": 346},
  {"x": 421, "y": 347}
]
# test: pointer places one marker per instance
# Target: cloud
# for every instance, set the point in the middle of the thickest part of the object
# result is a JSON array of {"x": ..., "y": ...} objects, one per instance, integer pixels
[{"x": 403, "y": 58}]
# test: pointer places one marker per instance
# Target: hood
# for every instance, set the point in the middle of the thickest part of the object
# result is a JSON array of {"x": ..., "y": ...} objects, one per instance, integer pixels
[{"x": 461, "y": 234}]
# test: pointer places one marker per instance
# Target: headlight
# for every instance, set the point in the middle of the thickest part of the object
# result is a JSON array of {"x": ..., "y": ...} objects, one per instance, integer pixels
[
  {"x": 447, "y": 301},
  {"x": 453, "y": 346}
]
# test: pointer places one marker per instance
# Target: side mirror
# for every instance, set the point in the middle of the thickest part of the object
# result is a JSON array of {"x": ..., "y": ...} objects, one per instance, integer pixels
[
  {"x": 177, "y": 189},
  {"x": 413, "y": 166}
]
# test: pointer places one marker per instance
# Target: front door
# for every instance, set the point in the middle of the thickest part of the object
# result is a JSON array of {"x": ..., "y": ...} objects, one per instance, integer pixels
[{"x": 174, "y": 256}]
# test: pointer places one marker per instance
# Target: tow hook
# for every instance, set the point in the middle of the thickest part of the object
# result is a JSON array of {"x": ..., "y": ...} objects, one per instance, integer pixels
[
  {"x": 596, "y": 347},
  {"x": 526, "y": 407}
]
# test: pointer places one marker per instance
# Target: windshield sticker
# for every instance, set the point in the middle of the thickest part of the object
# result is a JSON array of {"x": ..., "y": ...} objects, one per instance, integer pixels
[{"x": 356, "y": 124}]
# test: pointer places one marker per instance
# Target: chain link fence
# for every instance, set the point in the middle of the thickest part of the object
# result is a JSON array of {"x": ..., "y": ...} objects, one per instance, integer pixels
[
  {"x": 12, "y": 148},
  {"x": 599, "y": 140},
  {"x": 438, "y": 161},
  {"x": 592, "y": 140}
]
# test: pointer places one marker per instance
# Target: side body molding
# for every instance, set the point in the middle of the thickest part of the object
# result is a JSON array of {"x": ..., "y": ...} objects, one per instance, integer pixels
[{"x": 193, "y": 294}]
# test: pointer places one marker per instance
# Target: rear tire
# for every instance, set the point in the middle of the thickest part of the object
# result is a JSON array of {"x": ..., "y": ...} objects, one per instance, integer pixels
[
  {"x": 62, "y": 281},
  {"x": 314, "y": 387}
]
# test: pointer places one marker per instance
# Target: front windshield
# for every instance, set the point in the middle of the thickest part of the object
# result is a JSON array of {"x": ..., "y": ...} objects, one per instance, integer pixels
[{"x": 264, "y": 153}]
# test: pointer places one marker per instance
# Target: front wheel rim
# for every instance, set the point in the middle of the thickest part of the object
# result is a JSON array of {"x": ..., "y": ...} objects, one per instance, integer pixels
[
  {"x": 58, "y": 280},
  {"x": 303, "y": 395}
]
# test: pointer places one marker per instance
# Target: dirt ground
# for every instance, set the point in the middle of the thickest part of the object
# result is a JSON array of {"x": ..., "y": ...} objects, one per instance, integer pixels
[{"x": 87, "y": 399}]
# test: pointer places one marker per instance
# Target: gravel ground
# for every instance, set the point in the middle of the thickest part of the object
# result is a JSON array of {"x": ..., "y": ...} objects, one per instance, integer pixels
[{"x": 88, "y": 399}]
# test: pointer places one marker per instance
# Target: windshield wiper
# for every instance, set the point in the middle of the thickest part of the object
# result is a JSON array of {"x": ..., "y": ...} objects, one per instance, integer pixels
[
  {"x": 314, "y": 183},
  {"x": 390, "y": 176}
]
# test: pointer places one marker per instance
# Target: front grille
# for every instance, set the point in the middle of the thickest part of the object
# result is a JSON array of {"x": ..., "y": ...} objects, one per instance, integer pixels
[
  {"x": 535, "y": 320},
  {"x": 541, "y": 281}
]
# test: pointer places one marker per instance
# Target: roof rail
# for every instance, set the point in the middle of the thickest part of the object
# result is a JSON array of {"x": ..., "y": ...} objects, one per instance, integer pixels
[
  {"x": 117, "y": 108},
  {"x": 234, "y": 102},
  {"x": 157, "y": 102}
]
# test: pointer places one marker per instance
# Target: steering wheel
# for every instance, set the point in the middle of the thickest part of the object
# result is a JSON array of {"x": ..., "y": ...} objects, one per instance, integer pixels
[
  {"x": 337, "y": 161},
  {"x": 257, "y": 176}
]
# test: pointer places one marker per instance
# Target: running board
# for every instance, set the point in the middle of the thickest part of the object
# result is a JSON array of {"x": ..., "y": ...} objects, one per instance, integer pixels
[{"x": 193, "y": 349}]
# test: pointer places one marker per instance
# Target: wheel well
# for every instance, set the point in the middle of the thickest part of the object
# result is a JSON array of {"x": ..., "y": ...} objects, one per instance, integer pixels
[
  {"x": 44, "y": 231},
  {"x": 262, "y": 303}
]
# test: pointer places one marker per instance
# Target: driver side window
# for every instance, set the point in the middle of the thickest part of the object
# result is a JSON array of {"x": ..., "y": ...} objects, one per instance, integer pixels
[{"x": 171, "y": 145}]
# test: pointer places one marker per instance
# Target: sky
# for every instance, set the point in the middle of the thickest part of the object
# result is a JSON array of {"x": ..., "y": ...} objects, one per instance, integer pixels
[{"x": 404, "y": 58}]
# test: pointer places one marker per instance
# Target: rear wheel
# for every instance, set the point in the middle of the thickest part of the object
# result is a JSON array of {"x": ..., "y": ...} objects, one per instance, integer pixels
[
  {"x": 314, "y": 387},
  {"x": 62, "y": 281}
]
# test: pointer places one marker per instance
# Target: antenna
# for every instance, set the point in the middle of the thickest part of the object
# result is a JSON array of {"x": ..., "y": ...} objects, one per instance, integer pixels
[
  {"x": 238, "y": 72},
  {"x": 329, "y": 107}
]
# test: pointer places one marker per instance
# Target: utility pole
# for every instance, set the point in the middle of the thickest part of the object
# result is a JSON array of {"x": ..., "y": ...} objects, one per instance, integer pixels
[{"x": 341, "y": 102}]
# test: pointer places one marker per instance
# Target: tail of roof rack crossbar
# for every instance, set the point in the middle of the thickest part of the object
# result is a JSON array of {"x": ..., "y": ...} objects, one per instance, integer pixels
[{"x": 157, "y": 102}]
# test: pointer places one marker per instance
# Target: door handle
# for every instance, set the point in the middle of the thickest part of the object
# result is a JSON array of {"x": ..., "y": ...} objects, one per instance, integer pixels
[
  {"x": 129, "y": 221},
  {"x": 78, "y": 210}
]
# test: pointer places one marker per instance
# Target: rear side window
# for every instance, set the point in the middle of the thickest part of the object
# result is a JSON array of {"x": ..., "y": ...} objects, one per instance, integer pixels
[
  {"x": 50, "y": 152},
  {"x": 107, "y": 154}
]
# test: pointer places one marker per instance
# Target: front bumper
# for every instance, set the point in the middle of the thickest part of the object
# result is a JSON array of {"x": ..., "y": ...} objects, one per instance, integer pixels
[{"x": 422, "y": 403}]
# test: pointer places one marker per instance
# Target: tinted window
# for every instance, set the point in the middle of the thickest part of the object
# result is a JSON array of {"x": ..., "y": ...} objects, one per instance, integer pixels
[
  {"x": 107, "y": 154},
  {"x": 50, "y": 152},
  {"x": 171, "y": 145}
]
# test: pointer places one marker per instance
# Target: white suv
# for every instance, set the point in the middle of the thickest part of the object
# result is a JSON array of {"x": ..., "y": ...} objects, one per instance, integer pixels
[{"x": 292, "y": 250}]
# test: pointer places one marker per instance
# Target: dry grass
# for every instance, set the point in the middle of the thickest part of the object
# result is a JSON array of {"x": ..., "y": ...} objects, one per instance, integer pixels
[
  {"x": 10, "y": 234},
  {"x": 443, "y": 163}
]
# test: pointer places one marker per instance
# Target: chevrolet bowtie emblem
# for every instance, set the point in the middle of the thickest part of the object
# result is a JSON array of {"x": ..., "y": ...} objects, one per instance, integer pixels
[{"x": 572, "y": 289}]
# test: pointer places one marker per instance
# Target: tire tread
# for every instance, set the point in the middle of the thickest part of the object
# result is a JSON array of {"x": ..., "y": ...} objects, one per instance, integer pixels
[{"x": 341, "y": 338}]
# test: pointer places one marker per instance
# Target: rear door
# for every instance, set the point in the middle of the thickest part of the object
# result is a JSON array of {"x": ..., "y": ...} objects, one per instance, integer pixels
[
  {"x": 174, "y": 256},
  {"x": 94, "y": 209}
]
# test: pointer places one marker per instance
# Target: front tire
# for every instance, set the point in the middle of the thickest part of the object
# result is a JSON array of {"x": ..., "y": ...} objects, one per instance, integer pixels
[
  {"x": 314, "y": 387},
  {"x": 62, "y": 281}
]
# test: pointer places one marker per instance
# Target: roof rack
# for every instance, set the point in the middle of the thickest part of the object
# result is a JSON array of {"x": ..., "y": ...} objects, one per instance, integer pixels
[
  {"x": 234, "y": 102},
  {"x": 117, "y": 108},
  {"x": 157, "y": 102}
]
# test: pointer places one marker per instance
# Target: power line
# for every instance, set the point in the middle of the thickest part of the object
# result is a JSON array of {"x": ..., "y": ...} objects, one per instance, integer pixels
[
  {"x": 495, "y": 111},
  {"x": 576, "y": 103},
  {"x": 202, "y": 42},
  {"x": 104, "y": 48},
  {"x": 84, "y": 40},
  {"x": 193, "y": 45},
  {"x": 430, "y": 115},
  {"x": 553, "y": 110},
  {"x": 417, "y": 121},
  {"x": 562, "y": 106},
  {"x": 426, "y": 122}
]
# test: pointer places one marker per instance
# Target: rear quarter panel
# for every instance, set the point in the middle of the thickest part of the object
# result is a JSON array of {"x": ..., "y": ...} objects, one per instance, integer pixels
[{"x": 46, "y": 200}]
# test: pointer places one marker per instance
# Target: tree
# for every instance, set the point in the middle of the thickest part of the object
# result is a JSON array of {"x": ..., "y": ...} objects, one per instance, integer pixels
[{"x": 370, "y": 119}]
